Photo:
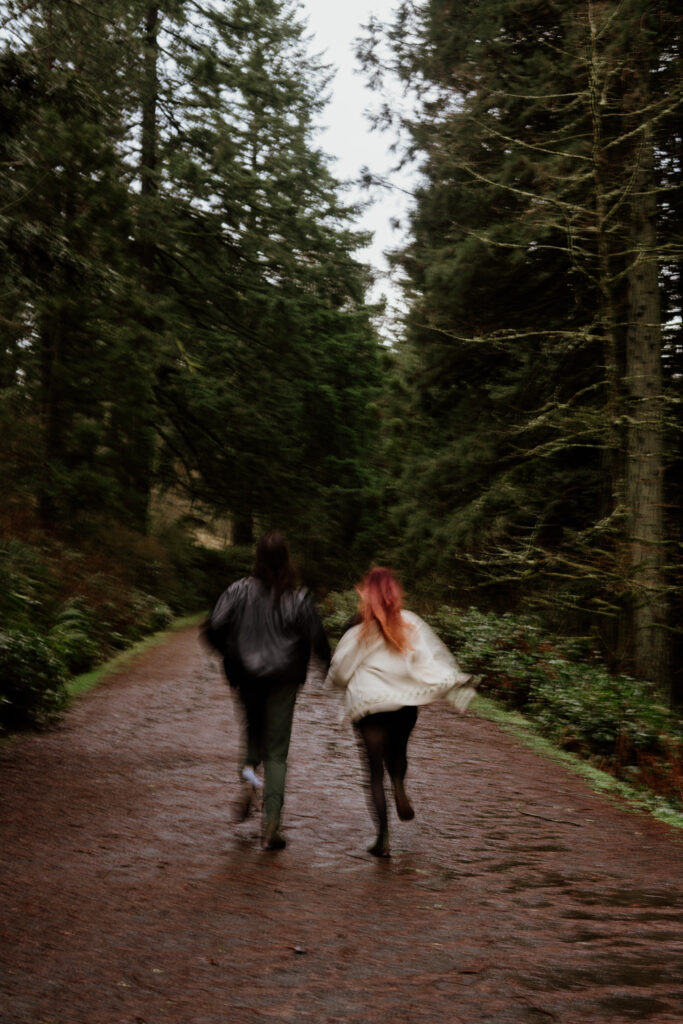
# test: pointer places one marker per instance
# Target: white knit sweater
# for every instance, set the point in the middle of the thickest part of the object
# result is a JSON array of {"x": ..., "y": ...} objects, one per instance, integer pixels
[{"x": 377, "y": 677}]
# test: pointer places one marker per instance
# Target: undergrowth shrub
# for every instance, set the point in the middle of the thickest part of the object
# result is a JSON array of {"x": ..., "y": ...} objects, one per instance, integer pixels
[
  {"x": 125, "y": 615},
  {"x": 73, "y": 636},
  {"x": 79, "y": 601},
  {"x": 33, "y": 678},
  {"x": 151, "y": 614},
  {"x": 338, "y": 607},
  {"x": 72, "y": 617},
  {"x": 26, "y": 584}
]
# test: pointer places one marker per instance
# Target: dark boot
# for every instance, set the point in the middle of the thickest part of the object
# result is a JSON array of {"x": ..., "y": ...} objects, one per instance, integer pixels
[
  {"x": 380, "y": 848},
  {"x": 272, "y": 839}
]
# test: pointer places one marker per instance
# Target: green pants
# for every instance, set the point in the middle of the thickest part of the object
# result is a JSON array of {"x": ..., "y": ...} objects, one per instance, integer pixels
[{"x": 268, "y": 712}]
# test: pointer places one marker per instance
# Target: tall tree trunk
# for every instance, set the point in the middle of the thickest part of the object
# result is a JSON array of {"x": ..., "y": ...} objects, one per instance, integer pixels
[
  {"x": 644, "y": 466},
  {"x": 602, "y": 171},
  {"x": 56, "y": 405},
  {"x": 148, "y": 153},
  {"x": 617, "y": 632},
  {"x": 140, "y": 458},
  {"x": 243, "y": 529},
  {"x": 51, "y": 413}
]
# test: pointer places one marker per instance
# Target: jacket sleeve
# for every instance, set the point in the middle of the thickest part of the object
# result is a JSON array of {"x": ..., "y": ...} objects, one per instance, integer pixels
[
  {"x": 319, "y": 643},
  {"x": 215, "y": 629}
]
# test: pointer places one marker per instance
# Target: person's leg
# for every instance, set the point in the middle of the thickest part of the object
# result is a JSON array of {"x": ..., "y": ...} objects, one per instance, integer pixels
[
  {"x": 372, "y": 733},
  {"x": 399, "y": 726},
  {"x": 254, "y": 714},
  {"x": 279, "y": 712},
  {"x": 253, "y": 711}
]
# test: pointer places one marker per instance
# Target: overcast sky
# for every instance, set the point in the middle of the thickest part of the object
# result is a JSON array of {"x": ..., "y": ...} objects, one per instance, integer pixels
[{"x": 334, "y": 25}]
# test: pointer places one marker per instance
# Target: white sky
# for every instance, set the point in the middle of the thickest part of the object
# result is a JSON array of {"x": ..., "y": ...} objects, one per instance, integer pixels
[{"x": 334, "y": 25}]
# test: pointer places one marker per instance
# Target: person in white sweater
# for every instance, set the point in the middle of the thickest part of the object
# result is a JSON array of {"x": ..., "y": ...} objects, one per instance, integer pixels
[{"x": 389, "y": 663}]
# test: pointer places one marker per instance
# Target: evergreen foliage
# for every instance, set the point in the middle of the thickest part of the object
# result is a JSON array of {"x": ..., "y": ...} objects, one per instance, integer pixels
[
  {"x": 536, "y": 373},
  {"x": 183, "y": 314},
  {"x": 183, "y": 307},
  {"x": 268, "y": 408}
]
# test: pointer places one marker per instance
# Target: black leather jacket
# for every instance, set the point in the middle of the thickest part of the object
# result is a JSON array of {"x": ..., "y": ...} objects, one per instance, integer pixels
[{"x": 263, "y": 639}]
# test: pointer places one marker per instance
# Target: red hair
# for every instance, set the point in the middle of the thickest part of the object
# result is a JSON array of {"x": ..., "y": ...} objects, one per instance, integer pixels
[{"x": 381, "y": 599}]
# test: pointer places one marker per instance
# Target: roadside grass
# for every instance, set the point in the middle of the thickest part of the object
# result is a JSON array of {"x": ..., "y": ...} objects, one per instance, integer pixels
[{"x": 87, "y": 681}]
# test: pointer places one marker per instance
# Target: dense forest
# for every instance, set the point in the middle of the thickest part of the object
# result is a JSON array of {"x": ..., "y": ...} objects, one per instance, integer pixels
[
  {"x": 187, "y": 339},
  {"x": 539, "y": 382}
]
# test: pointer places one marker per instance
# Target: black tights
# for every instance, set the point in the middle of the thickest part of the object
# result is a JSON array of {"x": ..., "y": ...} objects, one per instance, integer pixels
[{"x": 385, "y": 741}]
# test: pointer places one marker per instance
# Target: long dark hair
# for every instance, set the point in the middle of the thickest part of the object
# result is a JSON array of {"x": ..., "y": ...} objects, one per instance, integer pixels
[{"x": 273, "y": 565}]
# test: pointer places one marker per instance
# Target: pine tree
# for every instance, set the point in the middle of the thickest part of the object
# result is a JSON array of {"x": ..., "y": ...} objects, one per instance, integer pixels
[
  {"x": 63, "y": 247},
  {"x": 268, "y": 411}
]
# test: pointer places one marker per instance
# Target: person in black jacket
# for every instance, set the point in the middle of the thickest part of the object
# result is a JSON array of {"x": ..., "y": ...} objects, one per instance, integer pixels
[{"x": 266, "y": 629}]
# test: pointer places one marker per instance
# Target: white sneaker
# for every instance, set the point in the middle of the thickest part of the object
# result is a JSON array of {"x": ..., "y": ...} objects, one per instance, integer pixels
[{"x": 249, "y": 775}]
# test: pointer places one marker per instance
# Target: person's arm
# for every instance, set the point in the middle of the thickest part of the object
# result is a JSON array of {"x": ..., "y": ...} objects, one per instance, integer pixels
[
  {"x": 334, "y": 678},
  {"x": 337, "y": 676},
  {"x": 215, "y": 629},
  {"x": 430, "y": 660},
  {"x": 348, "y": 655},
  {"x": 320, "y": 646}
]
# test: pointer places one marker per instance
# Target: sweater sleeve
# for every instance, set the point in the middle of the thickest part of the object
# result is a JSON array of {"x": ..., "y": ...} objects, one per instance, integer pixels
[
  {"x": 335, "y": 676},
  {"x": 345, "y": 660},
  {"x": 431, "y": 661}
]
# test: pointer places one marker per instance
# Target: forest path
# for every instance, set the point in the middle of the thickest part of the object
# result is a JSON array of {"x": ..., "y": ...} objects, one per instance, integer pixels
[{"x": 126, "y": 896}]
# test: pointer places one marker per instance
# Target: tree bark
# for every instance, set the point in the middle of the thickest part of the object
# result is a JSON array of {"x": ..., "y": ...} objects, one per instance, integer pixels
[
  {"x": 644, "y": 463},
  {"x": 148, "y": 154},
  {"x": 243, "y": 529},
  {"x": 141, "y": 455},
  {"x": 51, "y": 412}
]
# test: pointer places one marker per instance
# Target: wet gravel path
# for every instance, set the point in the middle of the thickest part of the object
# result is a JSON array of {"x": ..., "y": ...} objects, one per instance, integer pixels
[{"x": 516, "y": 896}]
